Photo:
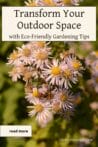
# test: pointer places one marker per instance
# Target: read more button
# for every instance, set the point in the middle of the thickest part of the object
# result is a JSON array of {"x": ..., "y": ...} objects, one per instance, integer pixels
[
  {"x": 15, "y": 131},
  {"x": 18, "y": 130}
]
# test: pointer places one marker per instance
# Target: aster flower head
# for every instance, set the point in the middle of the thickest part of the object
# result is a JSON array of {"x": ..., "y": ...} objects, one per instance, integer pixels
[
  {"x": 14, "y": 58},
  {"x": 42, "y": 112},
  {"x": 25, "y": 54},
  {"x": 64, "y": 98},
  {"x": 71, "y": 70},
  {"x": 40, "y": 57},
  {"x": 52, "y": 72},
  {"x": 68, "y": 75},
  {"x": 74, "y": 63},
  {"x": 15, "y": 73},
  {"x": 34, "y": 93},
  {"x": 28, "y": 73},
  {"x": 63, "y": 73},
  {"x": 37, "y": 92}
]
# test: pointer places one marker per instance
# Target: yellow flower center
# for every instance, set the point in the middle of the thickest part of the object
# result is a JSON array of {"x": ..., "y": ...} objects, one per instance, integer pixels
[
  {"x": 41, "y": 55},
  {"x": 55, "y": 70},
  {"x": 63, "y": 97},
  {"x": 96, "y": 53},
  {"x": 14, "y": 55},
  {"x": 67, "y": 1},
  {"x": 39, "y": 108},
  {"x": 49, "y": 2},
  {"x": 67, "y": 73},
  {"x": 26, "y": 52},
  {"x": 41, "y": 44},
  {"x": 76, "y": 65},
  {"x": 35, "y": 92}
]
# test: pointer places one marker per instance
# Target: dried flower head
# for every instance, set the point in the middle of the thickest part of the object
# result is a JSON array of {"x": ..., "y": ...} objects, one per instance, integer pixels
[{"x": 42, "y": 112}]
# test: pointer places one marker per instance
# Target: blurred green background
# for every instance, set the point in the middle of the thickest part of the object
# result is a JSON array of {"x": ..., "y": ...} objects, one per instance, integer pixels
[{"x": 60, "y": 132}]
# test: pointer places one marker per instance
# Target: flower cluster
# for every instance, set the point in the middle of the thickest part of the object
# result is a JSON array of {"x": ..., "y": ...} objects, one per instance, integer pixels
[
  {"x": 92, "y": 63},
  {"x": 32, "y": 3},
  {"x": 48, "y": 79}
]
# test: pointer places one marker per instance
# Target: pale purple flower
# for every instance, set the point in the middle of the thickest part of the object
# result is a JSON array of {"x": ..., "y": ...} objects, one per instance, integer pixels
[
  {"x": 52, "y": 72},
  {"x": 42, "y": 112},
  {"x": 25, "y": 54},
  {"x": 40, "y": 57},
  {"x": 15, "y": 73},
  {"x": 65, "y": 98},
  {"x": 14, "y": 58}
]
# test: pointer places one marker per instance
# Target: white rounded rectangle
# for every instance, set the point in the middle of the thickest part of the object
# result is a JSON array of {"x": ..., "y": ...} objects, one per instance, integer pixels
[
  {"x": 15, "y": 131},
  {"x": 48, "y": 23}
]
